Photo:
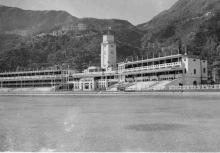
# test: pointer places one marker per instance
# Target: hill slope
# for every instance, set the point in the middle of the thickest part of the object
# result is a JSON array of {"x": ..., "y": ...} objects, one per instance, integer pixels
[
  {"x": 194, "y": 24},
  {"x": 191, "y": 24},
  {"x": 25, "y": 22},
  {"x": 180, "y": 11},
  {"x": 78, "y": 50}
]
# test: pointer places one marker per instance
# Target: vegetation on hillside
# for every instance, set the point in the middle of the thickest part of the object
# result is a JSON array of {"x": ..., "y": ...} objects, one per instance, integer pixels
[
  {"x": 192, "y": 25},
  {"x": 27, "y": 22},
  {"x": 79, "y": 52}
]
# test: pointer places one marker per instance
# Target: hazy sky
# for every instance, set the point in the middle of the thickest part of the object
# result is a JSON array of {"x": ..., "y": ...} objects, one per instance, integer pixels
[{"x": 135, "y": 11}]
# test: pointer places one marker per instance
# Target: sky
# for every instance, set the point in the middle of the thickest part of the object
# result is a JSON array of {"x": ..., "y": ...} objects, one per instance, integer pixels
[{"x": 135, "y": 11}]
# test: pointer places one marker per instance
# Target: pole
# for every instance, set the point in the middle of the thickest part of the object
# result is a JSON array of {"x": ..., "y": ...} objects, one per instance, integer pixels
[
  {"x": 142, "y": 71},
  {"x": 171, "y": 51},
  {"x": 68, "y": 78}
]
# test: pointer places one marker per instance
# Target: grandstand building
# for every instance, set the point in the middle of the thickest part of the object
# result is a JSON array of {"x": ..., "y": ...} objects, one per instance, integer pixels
[
  {"x": 149, "y": 74},
  {"x": 142, "y": 75},
  {"x": 43, "y": 80}
]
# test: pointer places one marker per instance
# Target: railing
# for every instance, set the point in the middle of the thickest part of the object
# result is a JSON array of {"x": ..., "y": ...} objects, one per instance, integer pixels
[
  {"x": 33, "y": 77},
  {"x": 153, "y": 67},
  {"x": 112, "y": 80},
  {"x": 34, "y": 72},
  {"x": 94, "y": 74},
  {"x": 193, "y": 87}
]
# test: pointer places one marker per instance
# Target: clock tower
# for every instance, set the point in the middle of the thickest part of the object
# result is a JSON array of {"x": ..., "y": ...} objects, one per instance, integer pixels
[{"x": 108, "y": 52}]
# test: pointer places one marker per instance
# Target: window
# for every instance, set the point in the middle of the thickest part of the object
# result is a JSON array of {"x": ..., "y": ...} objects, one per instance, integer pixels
[
  {"x": 175, "y": 60},
  {"x": 204, "y": 70},
  {"x": 195, "y": 83},
  {"x": 194, "y": 71}
]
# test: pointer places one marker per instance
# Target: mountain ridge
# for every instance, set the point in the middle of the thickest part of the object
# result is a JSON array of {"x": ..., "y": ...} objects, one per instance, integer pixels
[
  {"x": 16, "y": 19},
  {"x": 32, "y": 22},
  {"x": 183, "y": 9},
  {"x": 192, "y": 25},
  {"x": 189, "y": 24},
  {"x": 80, "y": 48}
]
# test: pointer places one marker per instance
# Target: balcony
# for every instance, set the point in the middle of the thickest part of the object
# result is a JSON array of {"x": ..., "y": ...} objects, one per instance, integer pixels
[
  {"x": 155, "y": 67},
  {"x": 42, "y": 77}
]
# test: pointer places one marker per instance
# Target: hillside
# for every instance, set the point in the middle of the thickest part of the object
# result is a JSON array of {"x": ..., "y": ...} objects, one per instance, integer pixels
[
  {"x": 194, "y": 24},
  {"x": 79, "y": 50},
  {"x": 27, "y": 22},
  {"x": 180, "y": 11}
]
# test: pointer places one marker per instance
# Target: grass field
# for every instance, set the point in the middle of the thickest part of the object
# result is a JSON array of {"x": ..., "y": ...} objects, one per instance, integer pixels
[{"x": 108, "y": 123}]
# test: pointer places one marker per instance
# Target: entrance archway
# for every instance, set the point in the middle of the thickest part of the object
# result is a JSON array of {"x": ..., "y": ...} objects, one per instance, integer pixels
[{"x": 195, "y": 83}]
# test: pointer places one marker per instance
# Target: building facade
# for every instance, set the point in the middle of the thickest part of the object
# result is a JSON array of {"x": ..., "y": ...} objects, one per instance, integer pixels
[
  {"x": 187, "y": 70},
  {"x": 50, "y": 79},
  {"x": 216, "y": 70},
  {"x": 148, "y": 74}
]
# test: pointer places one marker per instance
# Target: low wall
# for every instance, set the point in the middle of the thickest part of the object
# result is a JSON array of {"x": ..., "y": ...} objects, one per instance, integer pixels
[
  {"x": 43, "y": 89},
  {"x": 198, "y": 87},
  {"x": 95, "y": 94}
]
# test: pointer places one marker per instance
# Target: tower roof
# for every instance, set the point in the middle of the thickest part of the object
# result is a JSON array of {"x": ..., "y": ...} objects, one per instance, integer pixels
[{"x": 109, "y": 31}]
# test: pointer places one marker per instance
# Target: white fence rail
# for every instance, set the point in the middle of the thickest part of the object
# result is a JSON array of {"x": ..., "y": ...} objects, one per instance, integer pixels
[
  {"x": 32, "y": 77},
  {"x": 198, "y": 87}
]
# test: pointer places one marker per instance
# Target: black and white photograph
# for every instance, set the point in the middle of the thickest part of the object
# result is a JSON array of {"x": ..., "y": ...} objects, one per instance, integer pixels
[{"x": 109, "y": 75}]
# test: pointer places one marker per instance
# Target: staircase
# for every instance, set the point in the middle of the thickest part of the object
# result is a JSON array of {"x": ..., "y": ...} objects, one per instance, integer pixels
[
  {"x": 160, "y": 85},
  {"x": 120, "y": 86},
  {"x": 141, "y": 86}
]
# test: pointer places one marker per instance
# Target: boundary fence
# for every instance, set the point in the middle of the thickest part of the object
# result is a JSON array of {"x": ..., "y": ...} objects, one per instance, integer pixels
[{"x": 195, "y": 87}]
